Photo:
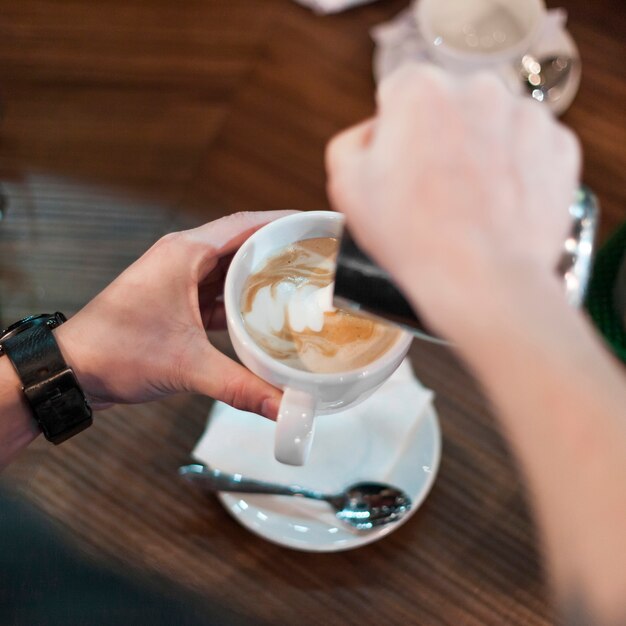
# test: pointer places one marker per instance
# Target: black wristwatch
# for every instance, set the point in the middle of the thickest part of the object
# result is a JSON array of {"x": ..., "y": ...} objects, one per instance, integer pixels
[{"x": 50, "y": 386}]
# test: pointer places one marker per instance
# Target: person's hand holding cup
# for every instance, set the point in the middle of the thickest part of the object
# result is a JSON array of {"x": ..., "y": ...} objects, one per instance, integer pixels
[{"x": 278, "y": 301}]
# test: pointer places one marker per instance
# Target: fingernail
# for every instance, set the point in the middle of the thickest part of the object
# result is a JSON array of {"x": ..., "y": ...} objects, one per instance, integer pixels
[{"x": 269, "y": 408}]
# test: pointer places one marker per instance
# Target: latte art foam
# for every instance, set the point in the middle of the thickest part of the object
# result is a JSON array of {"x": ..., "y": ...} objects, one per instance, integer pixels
[{"x": 287, "y": 309}]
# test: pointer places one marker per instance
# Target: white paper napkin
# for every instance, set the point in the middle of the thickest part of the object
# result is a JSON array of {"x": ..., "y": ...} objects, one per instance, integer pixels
[
  {"x": 361, "y": 443},
  {"x": 332, "y": 6}
]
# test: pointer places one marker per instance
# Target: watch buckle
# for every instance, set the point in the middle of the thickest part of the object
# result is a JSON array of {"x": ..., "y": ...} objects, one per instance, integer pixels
[{"x": 50, "y": 399}]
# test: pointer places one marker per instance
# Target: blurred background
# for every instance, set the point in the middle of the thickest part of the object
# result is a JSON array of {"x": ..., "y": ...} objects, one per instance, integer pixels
[{"x": 121, "y": 120}]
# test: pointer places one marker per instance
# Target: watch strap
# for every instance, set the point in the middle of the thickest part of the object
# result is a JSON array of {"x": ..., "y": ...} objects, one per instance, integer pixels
[
  {"x": 50, "y": 386},
  {"x": 35, "y": 354}
]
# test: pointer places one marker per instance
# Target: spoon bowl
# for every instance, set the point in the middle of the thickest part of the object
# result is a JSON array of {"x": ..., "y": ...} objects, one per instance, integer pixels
[{"x": 366, "y": 505}]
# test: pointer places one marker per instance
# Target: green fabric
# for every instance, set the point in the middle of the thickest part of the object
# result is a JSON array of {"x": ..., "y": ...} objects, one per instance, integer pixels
[{"x": 600, "y": 300}]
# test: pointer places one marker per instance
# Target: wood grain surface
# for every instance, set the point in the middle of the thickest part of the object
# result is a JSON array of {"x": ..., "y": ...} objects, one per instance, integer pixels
[{"x": 122, "y": 120}]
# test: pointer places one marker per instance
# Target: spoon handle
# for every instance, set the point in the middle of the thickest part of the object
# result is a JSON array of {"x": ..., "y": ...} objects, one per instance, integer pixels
[{"x": 216, "y": 480}]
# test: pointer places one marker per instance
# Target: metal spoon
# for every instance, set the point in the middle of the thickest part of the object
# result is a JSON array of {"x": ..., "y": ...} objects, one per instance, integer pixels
[
  {"x": 545, "y": 78},
  {"x": 362, "y": 505}
]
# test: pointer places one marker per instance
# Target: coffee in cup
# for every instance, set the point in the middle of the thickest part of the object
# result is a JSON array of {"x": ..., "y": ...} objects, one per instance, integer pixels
[{"x": 287, "y": 310}]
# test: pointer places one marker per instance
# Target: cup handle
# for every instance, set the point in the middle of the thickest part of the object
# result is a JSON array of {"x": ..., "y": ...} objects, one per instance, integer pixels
[{"x": 294, "y": 427}]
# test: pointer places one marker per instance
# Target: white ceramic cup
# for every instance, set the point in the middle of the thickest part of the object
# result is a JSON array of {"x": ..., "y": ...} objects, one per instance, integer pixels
[
  {"x": 306, "y": 394},
  {"x": 464, "y": 35}
]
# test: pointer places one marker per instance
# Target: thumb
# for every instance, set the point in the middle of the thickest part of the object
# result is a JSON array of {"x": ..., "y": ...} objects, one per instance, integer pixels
[{"x": 216, "y": 375}]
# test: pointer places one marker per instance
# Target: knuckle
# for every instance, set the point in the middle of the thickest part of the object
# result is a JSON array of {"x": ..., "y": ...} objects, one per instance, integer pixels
[
  {"x": 332, "y": 155},
  {"x": 395, "y": 81},
  {"x": 168, "y": 240},
  {"x": 239, "y": 216},
  {"x": 231, "y": 224},
  {"x": 164, "y": 247},
  {"x": 338, "y": 192},
  {"x": 231, "y": 218},
  {"x": 212, "y": 236}
]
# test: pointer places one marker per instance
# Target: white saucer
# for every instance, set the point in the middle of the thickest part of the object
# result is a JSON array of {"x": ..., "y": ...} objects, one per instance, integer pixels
[
  {"x": 392, "y": 437},
  {"x": 311, "y": 526}
]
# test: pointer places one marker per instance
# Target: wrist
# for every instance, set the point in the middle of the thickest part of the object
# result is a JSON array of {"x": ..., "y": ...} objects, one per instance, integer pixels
[
  {"x": 74, "y": 345},
  {"x": 483, "y": 301},
  {"x": 50, "y": 387},
  {"x": 511, "y": 301},
  {"x": 18, "y": 427}
]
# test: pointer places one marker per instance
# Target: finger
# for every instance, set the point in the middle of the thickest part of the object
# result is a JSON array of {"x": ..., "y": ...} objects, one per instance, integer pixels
[
  {"x": 411, "y": 81},
  {"x": 226, "y": 234},
  {"x": 417, "y": 107},
  {"x": 484, "y": 96},
  {"x": 569, "y": 156},
  {"x": 347, "y": 144},
  {"x": 343, "y": 164},
  {"x": 568, "y": 150},
  {"x": 219, "y": 377},
  {"x": 531, "y": 114}
]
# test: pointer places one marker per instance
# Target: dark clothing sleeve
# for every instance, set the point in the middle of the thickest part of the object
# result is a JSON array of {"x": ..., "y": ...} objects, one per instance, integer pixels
[{"x": 43, "y": 582}]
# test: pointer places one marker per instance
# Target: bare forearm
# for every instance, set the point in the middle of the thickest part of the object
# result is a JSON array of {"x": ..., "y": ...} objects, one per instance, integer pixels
[
  {"x": 562, "y": 402},
  {"x": 17, "y": 427}
]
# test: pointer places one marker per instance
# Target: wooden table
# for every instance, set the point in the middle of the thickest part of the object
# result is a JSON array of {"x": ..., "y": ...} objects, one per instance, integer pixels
[{"x": 125, "y": 119}]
